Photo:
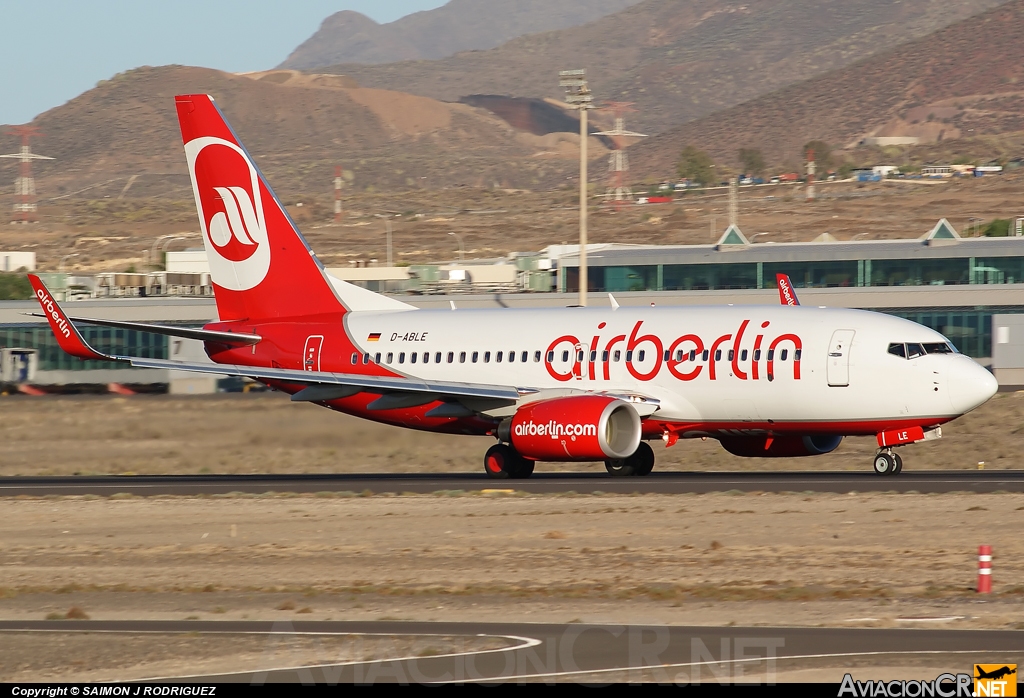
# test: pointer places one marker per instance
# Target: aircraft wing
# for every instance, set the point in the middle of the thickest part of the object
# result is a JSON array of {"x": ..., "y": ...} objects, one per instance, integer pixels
[
  {"x": 235, "y": 338},
  {"x": 343, "y": 384}
]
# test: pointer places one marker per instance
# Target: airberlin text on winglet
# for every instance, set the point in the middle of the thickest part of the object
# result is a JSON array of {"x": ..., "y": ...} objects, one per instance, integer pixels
[{"x": 52, "y": 309}]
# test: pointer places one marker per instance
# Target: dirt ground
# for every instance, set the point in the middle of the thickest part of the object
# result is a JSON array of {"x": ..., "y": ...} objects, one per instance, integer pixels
[
  {"x": 875, "y": 560},
  {"x": 267, "y": 433},
  {"x": 113, "y": 235}
]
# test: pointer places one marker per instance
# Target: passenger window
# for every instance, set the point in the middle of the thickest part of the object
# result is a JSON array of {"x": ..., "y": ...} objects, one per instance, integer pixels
[
  {"x": 355, "y": 358},
  {"x": 785, "y": 354},
  {"x": 743, "y": 355},
  {"x": 497, "y": 357},
  {"x": 376, "y": 358},
  {"x": 732, "y": 354},
  {"x": 462, "y": 357},
  {"x": 451, "y": 357},
  {"x": 757, "y": 355},
  {"x": 511, "y": 357},
  {"x": 898, "y": 350},
  {"x": 487, "y": 357},
  {"x": 526, "y": 355},
  {"x": 705, "y": 355},
  {"x": 668, "y": 355},
  {"x": 437, "y": 358},
  {"x": 718, "y": 355},
  {"x": 593, "y": 355},
  {"x": 579, "y": 355},
  {"x": 565, "y": 356},
  {"x": 618, "y": 356},
  {"x": 797, "y": 353},
  {"x": 771, "y": 355},
  {"x": 476, "y": 356},
  {"x": 693, "y": 355},
  {"x": 604, "y": 356},
  {"x": 551, "y": 357},
  {"x": 629, "y": 356},
  {"x": 391, "y": 356},
  {"x": 914, "y": 350},
  {"x": 401, "y": 357},
  {"x": 640, "y": 355},
  {"x": 680, "y": 355},
  {"x": 412, "y": 357}
]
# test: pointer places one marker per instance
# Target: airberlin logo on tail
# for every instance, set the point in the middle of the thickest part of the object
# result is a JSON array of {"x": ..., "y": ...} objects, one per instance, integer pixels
[
  {"x": 554, "y": 429},
  {"x": 54, "y": 312},
  {"x": 230, "y": 204}
]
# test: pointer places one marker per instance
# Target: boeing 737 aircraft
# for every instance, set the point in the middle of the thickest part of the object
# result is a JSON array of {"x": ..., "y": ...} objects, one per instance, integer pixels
[{"x": 560, "y": 384}]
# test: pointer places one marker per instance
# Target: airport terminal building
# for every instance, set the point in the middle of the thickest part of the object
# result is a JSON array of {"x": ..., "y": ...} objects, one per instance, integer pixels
[{"x": 951, "y": 284}]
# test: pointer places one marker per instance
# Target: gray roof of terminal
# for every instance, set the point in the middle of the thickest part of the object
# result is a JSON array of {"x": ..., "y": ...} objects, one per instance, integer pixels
[{"x": 801, "y": 252}]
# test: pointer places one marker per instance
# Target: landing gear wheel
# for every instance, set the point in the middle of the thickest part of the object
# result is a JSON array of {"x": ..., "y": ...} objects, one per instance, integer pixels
[
  {"x": 885, "y": 464},
  {"x": 899, "y": 464},
  {"x": 639, "y": 464},
  {"x": 644, "y": 457},
  {"x": 502, "y": 462}
]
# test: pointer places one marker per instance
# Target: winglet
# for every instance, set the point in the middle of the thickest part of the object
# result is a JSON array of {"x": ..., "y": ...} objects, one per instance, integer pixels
[
  {"x": 787, "y": 294},
  {"x": 68, "y": 336}
]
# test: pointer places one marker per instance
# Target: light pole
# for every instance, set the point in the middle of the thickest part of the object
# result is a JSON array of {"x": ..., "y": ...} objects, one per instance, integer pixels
[
  {"x": 387, "y": 227},
  {"x": 577, "y": 94},
  {"x": 462, "y": 248}
]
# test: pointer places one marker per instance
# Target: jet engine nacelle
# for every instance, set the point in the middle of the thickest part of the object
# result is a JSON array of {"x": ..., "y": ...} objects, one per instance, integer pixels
[
  {"x": 575, "y": 428},
  {"x": 781, "y": 446}
]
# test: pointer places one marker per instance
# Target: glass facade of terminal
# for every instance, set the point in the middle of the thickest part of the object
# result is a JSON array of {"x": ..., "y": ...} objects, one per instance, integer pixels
[
  {"x": 108, "y": 340},
  {"x": 816, "y": 274}
]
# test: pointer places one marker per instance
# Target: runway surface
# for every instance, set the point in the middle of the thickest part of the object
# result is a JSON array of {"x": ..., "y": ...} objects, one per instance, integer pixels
[
  {"x": 593, "y": 653},
  {"x": 584, "y": 483}
]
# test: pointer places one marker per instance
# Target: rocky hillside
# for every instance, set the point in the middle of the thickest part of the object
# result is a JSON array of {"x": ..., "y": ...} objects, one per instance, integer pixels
[
  {"x": 679, "y": 60},
  {"x": 460, "y": 25},
  {"x": 963, "y": 82},
  {"x": 298, "y": 126}
]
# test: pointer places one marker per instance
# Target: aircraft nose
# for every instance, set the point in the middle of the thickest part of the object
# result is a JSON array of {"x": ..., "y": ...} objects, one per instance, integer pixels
[{"x": 970, "y": 385}]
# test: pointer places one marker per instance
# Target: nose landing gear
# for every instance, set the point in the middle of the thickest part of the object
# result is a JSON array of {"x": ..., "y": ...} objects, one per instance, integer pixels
[{"x": 888, "y": 463}]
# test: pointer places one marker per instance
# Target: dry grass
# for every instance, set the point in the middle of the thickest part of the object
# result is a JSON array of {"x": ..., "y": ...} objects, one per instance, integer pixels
[{"x": 265, "y": 433}]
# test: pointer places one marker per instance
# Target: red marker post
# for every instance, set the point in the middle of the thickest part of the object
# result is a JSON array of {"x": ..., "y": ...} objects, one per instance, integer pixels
[{"x": 984, "y": 569}]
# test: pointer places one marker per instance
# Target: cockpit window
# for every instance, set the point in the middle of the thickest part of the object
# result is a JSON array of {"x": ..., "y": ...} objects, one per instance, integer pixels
[{"x": 912, "y": 350}]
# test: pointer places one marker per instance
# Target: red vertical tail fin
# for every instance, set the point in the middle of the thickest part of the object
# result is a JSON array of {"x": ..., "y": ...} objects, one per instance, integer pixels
[{"x": 260, "y": 265}]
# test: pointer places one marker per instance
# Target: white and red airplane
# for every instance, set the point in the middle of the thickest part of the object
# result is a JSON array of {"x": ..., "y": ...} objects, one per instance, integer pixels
[{"x": 560, "y": 384}]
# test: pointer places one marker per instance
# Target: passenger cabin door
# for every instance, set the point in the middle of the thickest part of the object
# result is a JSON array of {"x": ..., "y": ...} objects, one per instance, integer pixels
[{"x": 839, "y": 358}]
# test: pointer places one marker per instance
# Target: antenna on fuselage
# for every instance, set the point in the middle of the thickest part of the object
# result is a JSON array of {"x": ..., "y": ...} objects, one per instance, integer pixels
[{"x": 615, "y": 303}]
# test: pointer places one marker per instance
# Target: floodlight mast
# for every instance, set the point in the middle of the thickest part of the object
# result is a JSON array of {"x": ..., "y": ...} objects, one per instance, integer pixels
[{"x": 577, "y": 94}]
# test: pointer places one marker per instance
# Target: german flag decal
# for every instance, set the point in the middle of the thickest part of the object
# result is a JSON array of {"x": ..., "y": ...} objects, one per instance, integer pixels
[{"x": 374, "y": 337}]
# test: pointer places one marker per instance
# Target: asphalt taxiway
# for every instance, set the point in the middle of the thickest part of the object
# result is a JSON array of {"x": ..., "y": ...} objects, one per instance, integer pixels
[
  {"x": 924, "y": 482},
  {"x": 584, "y": 652}
]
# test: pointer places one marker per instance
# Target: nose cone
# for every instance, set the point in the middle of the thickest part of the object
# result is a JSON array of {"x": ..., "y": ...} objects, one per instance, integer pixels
[{"x": 970, "y": 385}]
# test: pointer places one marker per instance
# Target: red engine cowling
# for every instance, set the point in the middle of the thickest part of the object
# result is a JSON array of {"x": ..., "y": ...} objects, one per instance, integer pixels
[
  {"x": 576, "y": 428},
  {"x": 781, "y": 446}
]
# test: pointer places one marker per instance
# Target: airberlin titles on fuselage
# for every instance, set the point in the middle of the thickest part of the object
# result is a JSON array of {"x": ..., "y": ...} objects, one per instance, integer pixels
[{"x": 684, "y": 357}]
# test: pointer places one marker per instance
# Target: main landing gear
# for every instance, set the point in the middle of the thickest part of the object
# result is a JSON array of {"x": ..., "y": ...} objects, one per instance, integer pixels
[
  {"x": 639, "y": 464},
  {"x": 502, "y": 462},
  {"x": 888, "y": 462}
]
